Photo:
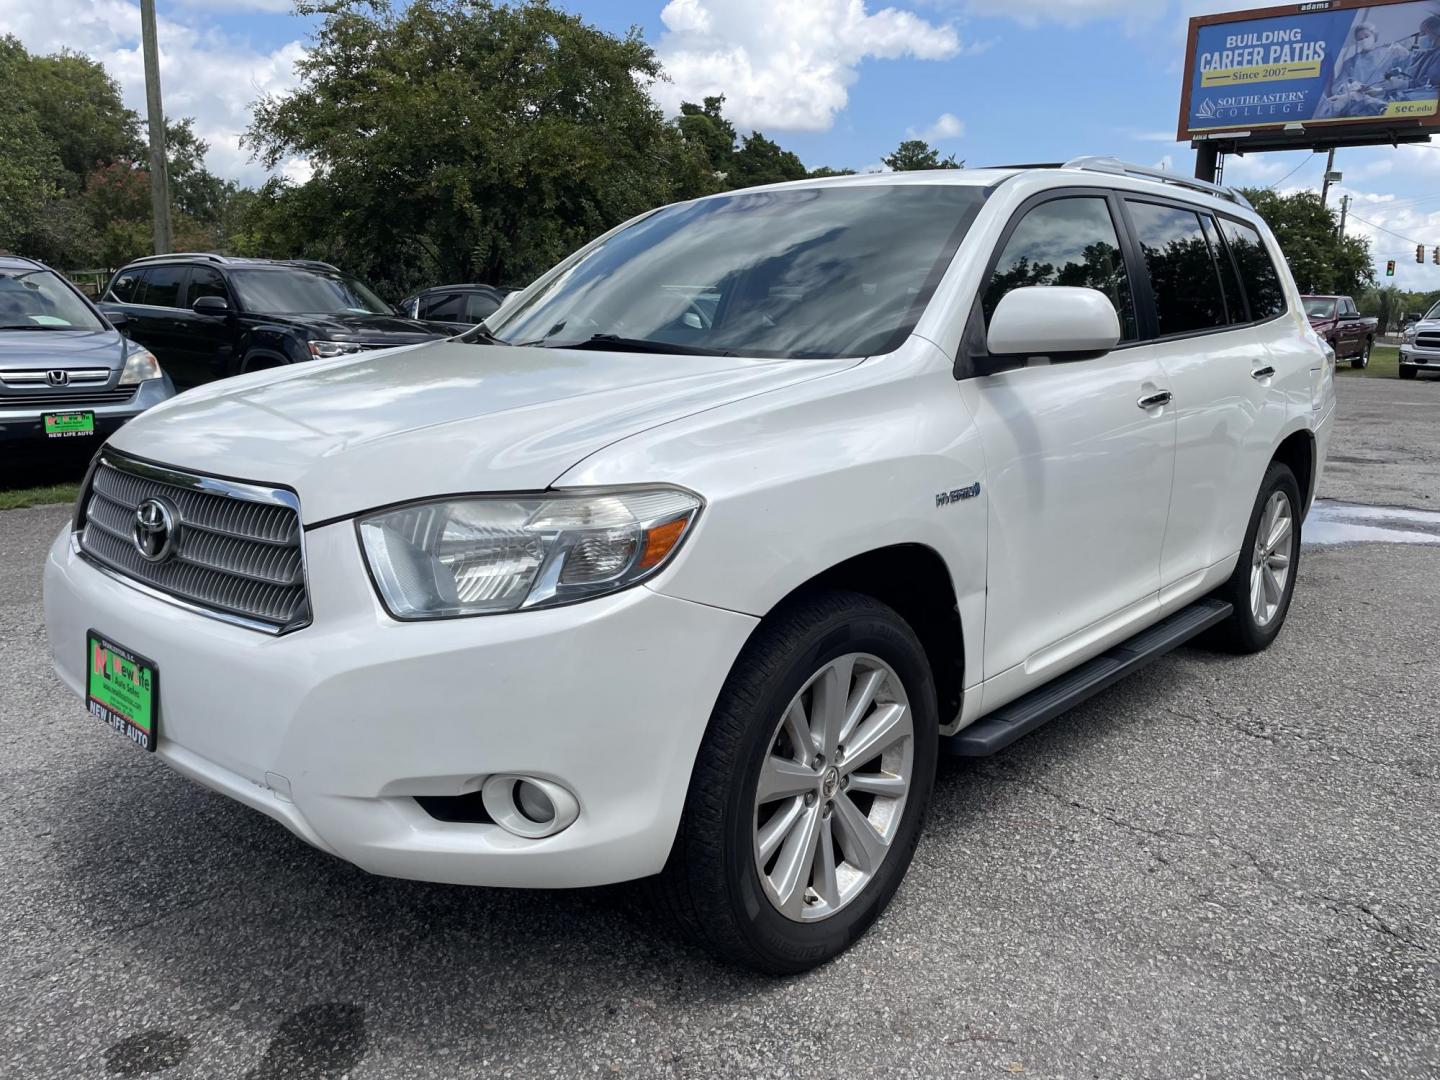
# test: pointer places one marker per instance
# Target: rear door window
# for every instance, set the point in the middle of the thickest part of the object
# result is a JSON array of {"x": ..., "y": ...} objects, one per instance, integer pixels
[
  {"x": 161, "y": 286},
  {"x": 1184, "y": 279},
  {"x": 444, "y": 306},
  {"x": 1229, "y": 281},
  {"x": 480, "y": 306},
  {"x": 1257, "y": 271},
  {"x": 1066, "y": 241},
  {"x": 205, "y": 282},
  {"x": 125, "y": 286}
]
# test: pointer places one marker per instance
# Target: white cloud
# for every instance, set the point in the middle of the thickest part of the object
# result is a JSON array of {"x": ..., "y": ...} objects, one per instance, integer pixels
[
  {"x": 784, "y": 64},
  {"x": 1069, "y": 12},
  {"x": 946, "y": 126},
  {"x": 230, "y": 7},
  {"x": 203, "y": 72}
]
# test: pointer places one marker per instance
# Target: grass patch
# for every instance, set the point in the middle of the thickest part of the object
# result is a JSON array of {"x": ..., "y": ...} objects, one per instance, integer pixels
[
  {"x": 19, "y": 498},
  {"x": 1384, "y": 364}
]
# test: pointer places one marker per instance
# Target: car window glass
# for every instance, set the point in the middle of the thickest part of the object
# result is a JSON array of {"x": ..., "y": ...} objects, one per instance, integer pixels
[
  {"x": 1257, "y": 272},
  {"x": 1229, "y": 283},
  {"x": 814, "y": 272},
  {"x": 480, "y": 306},
  {"x": 302, "y": 291},
  {"x": 205, "y": 282},
  {"x": 162, "y": 286},
  {"x": 444, "y": 306},
  {"x": 1069, "y": 241},
  {"x": 33, "y": 299},
  {"x": 124, "y": 285},
  {"x": 1349, "y": 306},
  {"x": 1183, "y": 276}
]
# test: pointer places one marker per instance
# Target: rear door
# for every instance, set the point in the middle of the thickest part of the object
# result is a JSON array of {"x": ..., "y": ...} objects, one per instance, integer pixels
[
  {"x": 1079, "y": 468},
  {"x": 1212, "y": 338},
  {"x": 153, "y": 310}
]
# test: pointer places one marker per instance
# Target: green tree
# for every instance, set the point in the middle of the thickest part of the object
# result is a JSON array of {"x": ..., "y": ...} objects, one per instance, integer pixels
[
  {"x": 194, "y": 189},
  {"x": 1321, "y": 259},
  {"x": 459, "y": 139},
  {"x": 706, "y": 129},
  {"x": 826, "y": 170},
  {"x": 761, "y": 161},
  {"x": 913, "y": 154}
]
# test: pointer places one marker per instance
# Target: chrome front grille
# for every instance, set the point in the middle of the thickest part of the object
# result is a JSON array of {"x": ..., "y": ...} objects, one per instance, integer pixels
[
  {"x": 1428, "y": 341},
  {"x": 73, "y": 398},
  {"x": 234, "y": 550}
]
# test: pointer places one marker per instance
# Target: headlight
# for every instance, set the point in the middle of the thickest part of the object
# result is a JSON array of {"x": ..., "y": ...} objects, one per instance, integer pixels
[
  {"x": 483, "y": 556},
  {"x": 140, "y": 366},
  {"x": 325, "y": 350},
  {"x": 1409, "y": 334}
]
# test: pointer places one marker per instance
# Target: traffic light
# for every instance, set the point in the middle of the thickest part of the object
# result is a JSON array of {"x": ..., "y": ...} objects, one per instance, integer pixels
[
  {"x": 1420, "y": 253},
  {"x": 1390, "y": 268},
  {"x": 1435, "y": 256}
]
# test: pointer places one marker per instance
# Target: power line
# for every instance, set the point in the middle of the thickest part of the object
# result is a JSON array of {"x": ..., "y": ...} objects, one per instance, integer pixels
[
  {"x": 1293, "y": 171},
  {"x": 1392, "y": 232}
]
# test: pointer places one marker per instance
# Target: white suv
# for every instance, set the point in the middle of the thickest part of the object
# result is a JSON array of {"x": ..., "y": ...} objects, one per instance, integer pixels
[{"x": 693, "y": 560}]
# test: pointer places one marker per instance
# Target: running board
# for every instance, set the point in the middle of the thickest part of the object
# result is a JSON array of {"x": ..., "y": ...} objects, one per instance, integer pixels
[{"x": 999, "y": 729}]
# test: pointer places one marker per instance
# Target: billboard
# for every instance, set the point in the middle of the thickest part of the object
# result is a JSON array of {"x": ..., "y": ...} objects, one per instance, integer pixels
[{"x": 1285, "y": 74}]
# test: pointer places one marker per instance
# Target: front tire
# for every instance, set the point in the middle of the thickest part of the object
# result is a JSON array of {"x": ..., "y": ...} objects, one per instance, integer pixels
[
  {"x": 809, "y": 789},
  {"x": 1264, "y": 579}
]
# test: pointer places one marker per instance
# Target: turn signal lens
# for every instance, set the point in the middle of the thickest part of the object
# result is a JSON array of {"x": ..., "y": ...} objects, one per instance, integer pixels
[{"x": 660, "y": 541}]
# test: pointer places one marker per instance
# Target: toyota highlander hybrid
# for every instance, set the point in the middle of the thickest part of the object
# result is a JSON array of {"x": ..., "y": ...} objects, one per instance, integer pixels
[{"x": 690, "y": 562}]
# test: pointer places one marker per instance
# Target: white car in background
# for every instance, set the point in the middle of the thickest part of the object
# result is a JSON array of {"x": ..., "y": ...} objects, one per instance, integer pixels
[
  {"x": 1420, "y": 345},
  {"x": 693, "y": 560}
]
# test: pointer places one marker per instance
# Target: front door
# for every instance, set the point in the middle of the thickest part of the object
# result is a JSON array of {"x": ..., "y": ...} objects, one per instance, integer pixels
[{"x": 1079, "y": 456}]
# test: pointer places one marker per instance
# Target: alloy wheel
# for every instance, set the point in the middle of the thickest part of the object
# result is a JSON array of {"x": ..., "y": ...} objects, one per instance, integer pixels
[
  {"x": 1272, "y": 558},
  {"x": 832, "y": 790}
]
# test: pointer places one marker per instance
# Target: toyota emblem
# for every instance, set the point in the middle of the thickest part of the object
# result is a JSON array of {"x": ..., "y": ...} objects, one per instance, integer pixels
[
  {"x": 57, "y": 377},
  {"x": 154, "y": 531}
]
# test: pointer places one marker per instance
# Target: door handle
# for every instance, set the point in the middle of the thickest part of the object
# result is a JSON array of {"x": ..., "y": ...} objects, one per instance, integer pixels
[
  {"x": 1154, "y": 401},
  {"x": 1262, "y": 373}
]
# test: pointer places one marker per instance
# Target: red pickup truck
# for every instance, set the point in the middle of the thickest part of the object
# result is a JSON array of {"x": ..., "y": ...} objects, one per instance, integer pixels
[{"x": 1349, "y": 333}]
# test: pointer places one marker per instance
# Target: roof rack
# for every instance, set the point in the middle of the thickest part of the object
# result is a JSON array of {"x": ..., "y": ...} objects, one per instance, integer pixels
[
  {"x": 207, "y": 255},
  {"x": 312, "y": 264},
  {"x": 1123, "y": 168}
]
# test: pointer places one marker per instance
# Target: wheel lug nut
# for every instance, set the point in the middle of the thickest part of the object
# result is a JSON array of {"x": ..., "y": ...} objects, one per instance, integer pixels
[
  {"x": 819, "y": 762},
  {"x": 844, "y": 782},
  {"x": 839, "y": 754},
  {"x": 810, "y": 798},
  {"x": 829, "y": 809}
]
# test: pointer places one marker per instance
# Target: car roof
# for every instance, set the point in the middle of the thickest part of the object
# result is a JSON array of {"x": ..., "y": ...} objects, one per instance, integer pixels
[
  {"x": 1123, "y": 174},
  {"x": 20, "y": 262},
  {"x": 195, "y": 258}
]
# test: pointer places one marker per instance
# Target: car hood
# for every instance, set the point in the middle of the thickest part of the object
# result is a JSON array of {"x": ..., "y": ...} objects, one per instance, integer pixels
[
  {"x": 359, "y": 327},
  {"x": 1425, "y": 326},
  {"x": 42, "y": 349},
  {"x": 385, "y": 427}
]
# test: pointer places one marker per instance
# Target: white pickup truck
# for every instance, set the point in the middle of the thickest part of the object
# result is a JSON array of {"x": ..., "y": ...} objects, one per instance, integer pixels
[{"x": 691, "y": 560}]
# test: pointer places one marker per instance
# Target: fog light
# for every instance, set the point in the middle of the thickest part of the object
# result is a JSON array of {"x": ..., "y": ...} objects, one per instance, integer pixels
[{"x": 528, "y": 806}]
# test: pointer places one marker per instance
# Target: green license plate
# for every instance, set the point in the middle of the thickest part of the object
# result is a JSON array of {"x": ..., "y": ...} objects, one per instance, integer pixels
[
  {"x": 122, "y": 689},
  {"x": 68, "y": 425}
]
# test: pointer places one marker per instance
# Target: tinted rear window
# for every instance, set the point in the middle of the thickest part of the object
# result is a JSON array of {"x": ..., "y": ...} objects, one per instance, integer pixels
[
  {"x": 160, "y": 286},
  {"x": 1183, "y": 277},
  {"x": 1261, "y": 279}
]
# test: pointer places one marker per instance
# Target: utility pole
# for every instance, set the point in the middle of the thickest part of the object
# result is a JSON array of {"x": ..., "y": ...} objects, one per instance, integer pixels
[
  {"x": 159, "y": 178},
  {"x": 1325, "y": 187},
  {"x": 1344, "y": 209}
]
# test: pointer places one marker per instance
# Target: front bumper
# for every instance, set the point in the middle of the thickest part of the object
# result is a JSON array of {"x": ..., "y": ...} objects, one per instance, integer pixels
[
  {"x": 334, "y": 729},
  {"x": 24, "y": 425},
  {"x": 1413, "y": 356}
]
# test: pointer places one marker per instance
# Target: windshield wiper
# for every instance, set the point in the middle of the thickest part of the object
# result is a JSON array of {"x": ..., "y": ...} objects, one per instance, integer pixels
[
  {"x": 616, "y": 343},
  {"x": 480, "y": 334}
]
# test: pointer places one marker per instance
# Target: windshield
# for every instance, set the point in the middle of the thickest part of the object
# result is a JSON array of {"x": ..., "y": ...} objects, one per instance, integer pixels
[
  {"x": 815, "y": 272},
  {"x": 1433, "y": 313},
  {"x": 40, "y": 300},
  {"x": 1319, "y": 308},
  {"x": 305, "y": 292}
]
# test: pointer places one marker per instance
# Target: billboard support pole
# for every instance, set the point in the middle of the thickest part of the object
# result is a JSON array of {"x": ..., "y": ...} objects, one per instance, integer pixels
[{"x": 1206, "y": 156}]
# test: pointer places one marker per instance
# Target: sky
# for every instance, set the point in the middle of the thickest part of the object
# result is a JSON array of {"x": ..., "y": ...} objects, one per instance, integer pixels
[{"x": 840, "y": 82}]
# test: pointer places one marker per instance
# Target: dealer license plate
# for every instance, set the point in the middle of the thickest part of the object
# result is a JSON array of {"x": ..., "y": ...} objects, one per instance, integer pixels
[
  {"x": 122, "y": 689},
  {"x": 69, "y": 425}
]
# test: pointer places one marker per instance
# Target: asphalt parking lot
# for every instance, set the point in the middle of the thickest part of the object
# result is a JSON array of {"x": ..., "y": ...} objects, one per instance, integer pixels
[{"x": 1220, "y": 868}]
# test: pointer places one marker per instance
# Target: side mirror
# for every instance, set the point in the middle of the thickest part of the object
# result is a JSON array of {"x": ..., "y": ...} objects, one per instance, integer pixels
[
  {"x": 1060, "y": 322},
  {"x": 216, "y": 306},
  {"x": 118, "y": 319}
]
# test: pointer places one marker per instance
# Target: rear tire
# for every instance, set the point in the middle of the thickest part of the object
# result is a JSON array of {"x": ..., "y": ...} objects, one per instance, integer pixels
[
  {"x": 1363, "y": 360},
  {"x": 1263, "y": 583},
  {"x": 788, "y": 911}
]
